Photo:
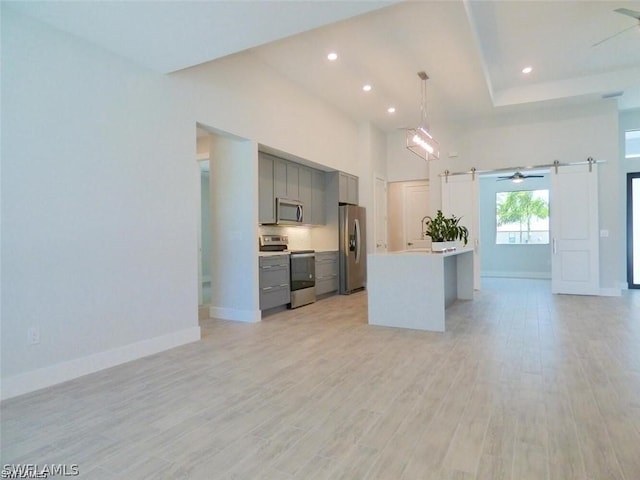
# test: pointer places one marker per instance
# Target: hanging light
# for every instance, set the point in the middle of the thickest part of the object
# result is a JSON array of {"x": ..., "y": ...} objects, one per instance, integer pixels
[{"x": 419, "y": 140}]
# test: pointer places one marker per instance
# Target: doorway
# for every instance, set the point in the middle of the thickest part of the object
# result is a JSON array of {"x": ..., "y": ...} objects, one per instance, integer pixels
[
  {"x": 408, "y": 207},
  {"x": 205, "y": 223},
  {"x": 633, "y": 229},
  {"x": 204, "y": 297}
]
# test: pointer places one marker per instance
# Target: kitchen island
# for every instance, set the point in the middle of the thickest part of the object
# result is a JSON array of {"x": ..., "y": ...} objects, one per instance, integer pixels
[{"x": 412, "y": 288}]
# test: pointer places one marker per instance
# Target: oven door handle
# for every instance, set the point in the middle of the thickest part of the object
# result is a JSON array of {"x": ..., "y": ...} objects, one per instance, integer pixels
[{"x": 303, "y": 255}]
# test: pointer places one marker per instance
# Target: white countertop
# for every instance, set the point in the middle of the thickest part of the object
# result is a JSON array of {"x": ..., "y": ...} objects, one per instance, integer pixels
[
  {"x": 271, "y": 254},
  {"x": 287, "y": 252},
  {"x": 427, "y": 251}
]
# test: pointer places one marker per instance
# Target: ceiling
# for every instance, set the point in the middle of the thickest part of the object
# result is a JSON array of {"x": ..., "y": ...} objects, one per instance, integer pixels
[{"x": 473, "y": 51}]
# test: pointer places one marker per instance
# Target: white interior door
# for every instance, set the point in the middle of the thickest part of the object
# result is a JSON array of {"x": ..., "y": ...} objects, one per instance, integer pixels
[
  {"x": 460, "y": 197},
  {"x": 574, "y": 230},
  {"x": 415, "y": 209},
  {"x": 380, "y": 214}
]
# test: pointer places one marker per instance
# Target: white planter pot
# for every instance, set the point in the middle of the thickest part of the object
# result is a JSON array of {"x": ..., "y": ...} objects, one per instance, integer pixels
[{"x": 443, "y": 246}]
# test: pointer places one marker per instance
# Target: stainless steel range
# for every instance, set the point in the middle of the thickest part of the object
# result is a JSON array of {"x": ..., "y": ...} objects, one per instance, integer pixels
[
  {"x": 302, "y": 267},
  {"x": 303, "y": 277}
]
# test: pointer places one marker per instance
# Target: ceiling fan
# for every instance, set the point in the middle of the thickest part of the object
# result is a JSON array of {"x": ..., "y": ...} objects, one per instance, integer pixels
[
  {"x": 623, "y": 11},
  {"x": 518, "y": 177}
]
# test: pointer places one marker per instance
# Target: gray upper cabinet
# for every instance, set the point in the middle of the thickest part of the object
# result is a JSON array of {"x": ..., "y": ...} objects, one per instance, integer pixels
[
  {"x": 280, "y": 178},
  {"x": 286, "y": 177},
  {"x": 293, "y": 181},
  {"x": 347, "y": 188},
  {"x": 267, "y": 206},
  {"x": 304, "y": 192},
  {"x": 318, "y": 216}
]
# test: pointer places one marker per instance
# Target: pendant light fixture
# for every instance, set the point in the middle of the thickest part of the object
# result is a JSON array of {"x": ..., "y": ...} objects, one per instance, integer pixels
[{"x": 419, "y": 139}]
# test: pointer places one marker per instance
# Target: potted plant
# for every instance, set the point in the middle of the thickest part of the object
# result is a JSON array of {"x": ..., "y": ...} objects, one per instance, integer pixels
[{"x": 444, "y": 231}]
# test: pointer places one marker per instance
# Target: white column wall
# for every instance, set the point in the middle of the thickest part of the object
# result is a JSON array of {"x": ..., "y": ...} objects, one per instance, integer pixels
[{"x": 234, "y": 236}]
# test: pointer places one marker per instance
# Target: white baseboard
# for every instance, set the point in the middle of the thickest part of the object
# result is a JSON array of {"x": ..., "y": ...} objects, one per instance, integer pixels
[
  {"x": 501, "y": 274},
  {"x": 610, "y": 292},
  {"x": 65, "y": 371},
  {"x": 250, "y": 316}
]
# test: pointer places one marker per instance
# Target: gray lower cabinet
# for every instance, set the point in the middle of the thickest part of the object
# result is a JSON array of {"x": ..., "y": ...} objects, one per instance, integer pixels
[
  {"x": 326, "y": 272},
  {"x": 274, "y": 281}
]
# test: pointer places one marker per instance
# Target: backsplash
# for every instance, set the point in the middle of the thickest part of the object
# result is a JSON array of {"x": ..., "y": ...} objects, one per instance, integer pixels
[{"x": 299, "y": 237}]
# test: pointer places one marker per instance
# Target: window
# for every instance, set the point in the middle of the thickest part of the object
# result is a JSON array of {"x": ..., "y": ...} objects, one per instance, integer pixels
[
  {"x": 522, "y": 217},
  {"x": 632, "y": 144}
]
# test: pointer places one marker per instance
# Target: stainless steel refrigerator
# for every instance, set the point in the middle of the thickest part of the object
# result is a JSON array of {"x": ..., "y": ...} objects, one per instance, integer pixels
[{"x": 353, "y": 248}]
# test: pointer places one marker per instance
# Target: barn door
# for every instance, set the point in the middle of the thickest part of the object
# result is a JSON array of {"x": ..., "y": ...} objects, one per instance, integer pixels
[
  {"x": 574, "y": 230},
  {"x": 460, "y": 198}
]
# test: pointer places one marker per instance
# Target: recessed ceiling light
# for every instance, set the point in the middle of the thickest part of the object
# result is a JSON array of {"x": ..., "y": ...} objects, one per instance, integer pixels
[
  {"x": 391, "y": 109},
  {"x": 332, "y": 56},
  {"x": 366, "y": 88},
  {"x": 527, "y": 70}
]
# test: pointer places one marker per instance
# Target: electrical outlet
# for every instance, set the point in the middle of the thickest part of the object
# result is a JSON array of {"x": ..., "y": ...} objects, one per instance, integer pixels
[{"x": 33, "y": 336}]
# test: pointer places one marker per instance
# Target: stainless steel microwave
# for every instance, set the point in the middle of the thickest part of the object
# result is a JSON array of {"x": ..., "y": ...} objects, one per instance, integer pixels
[{"x": 289, "y": 212}]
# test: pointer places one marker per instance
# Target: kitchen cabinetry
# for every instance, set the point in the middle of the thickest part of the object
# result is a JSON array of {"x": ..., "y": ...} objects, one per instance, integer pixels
[
  {"x": 347, "y": 188},
  {"x": 304, "y": 192},
  {"x": 318, "y": 217},
  {"x": 326, "y": 272},
  {"x": 266, "y": 196},
  {"x": 274, "y": 281},
  {"x": 293, "y": 181},
  {"x": 280, "y": 178},
  {"x": 285, "y": 178}
]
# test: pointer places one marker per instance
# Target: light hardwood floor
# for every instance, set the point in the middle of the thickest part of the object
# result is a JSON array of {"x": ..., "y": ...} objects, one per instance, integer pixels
[{"x": 523, "y": 385}]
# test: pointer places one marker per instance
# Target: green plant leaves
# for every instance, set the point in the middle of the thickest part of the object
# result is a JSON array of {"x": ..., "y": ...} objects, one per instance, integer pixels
[{"x": 446, "y": 229}]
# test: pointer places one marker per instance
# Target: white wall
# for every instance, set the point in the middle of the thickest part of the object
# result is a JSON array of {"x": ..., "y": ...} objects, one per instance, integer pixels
[
  {"x": 242, "y": 96},
  {"x": 401, "y": 163},
  {"x": 372, "y": 163},
  {"x": 98, "y": 167},
  {"x": 99, "y": 202},
  {"x": 569, "y": 134}
]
